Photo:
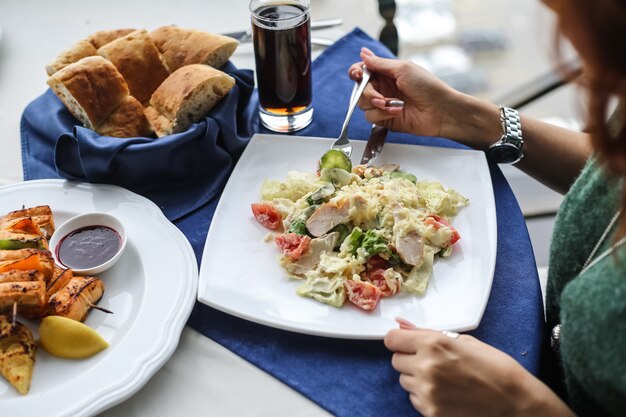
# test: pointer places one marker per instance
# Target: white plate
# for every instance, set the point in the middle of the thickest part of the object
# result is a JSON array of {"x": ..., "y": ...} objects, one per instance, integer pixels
[
  {"x": 241, "y": 276},
  {"x": 151, "y": 291}
]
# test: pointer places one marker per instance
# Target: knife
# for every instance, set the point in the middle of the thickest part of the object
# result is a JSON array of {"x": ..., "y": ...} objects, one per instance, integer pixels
[
  {"x": 374, "y": 145},
  {"x": 378, "y": 135},
  {"x": 246, "y": 35}
]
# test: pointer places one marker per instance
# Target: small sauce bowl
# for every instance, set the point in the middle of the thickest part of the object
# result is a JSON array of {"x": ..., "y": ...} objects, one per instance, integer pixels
[{"x": 86, "y": 243}]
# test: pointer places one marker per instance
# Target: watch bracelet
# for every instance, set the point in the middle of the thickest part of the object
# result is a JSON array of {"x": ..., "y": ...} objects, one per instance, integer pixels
[{"x": 511, "y": 125}]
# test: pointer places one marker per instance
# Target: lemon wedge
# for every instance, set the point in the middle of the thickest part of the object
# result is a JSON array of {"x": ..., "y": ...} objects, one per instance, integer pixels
[{"x": 71, "y": 339}]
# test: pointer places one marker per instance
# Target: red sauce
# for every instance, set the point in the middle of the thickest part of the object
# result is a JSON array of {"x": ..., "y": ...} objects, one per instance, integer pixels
[{"x": 88, "y": 247}]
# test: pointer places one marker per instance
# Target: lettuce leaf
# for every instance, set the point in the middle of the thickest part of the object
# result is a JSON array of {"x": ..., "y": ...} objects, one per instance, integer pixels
[
  {"x": 417, "y": 280},
  {"x": 324, "y": 290}
]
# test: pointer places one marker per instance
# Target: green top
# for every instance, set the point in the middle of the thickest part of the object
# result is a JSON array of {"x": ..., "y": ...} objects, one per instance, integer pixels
[{"x": 591, "y": 306}]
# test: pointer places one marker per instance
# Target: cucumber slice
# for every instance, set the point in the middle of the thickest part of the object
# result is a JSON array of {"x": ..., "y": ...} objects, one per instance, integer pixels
[{"x": 336, "y": 159}]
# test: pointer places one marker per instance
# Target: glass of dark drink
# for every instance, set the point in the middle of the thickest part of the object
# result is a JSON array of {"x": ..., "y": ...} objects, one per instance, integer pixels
[{"x": 282, "y": 50}]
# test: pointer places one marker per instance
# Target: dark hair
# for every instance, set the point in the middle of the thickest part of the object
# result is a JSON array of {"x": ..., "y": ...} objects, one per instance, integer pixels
[{"x": 597, "y": 29}]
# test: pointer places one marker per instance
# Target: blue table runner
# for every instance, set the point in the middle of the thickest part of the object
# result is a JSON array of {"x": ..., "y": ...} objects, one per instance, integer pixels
[{"x": 350, "y": 377}]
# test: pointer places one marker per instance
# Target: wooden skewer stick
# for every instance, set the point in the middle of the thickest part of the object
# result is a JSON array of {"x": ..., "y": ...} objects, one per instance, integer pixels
[
  {"x": 14, "y": 314},
  {"x": 104, "y": 310}
]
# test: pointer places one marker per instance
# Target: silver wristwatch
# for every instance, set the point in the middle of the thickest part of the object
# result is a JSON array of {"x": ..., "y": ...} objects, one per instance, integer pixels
[{"x": 509, "y": 149}]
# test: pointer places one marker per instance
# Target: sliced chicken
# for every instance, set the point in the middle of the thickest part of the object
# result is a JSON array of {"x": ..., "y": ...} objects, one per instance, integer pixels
[
  {"x": 14, "y": 255},
  {"x": 30, "y": 297},
  {"x": 20, "y": 276},
  {"x": 311, "y": 257},
  {"x": 75, "y": 299},
  {"x": 327, "y": 216},
  {"x": 17, "y": 354},
  {"x": 410, "y": 247},
  {"x": 408, "y": 243}
]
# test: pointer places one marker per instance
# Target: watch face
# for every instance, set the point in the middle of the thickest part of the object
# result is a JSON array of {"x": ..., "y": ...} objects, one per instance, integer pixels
[{"x": 504, "y": 153}]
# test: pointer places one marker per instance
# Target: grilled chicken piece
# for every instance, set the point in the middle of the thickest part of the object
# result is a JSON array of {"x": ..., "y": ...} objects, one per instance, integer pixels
[
  {"x": 31, "y": 259},
  {"x": 30, "y": 297},
  {"x": 327, "y": 216},
  {"x": 408, "y": 243},
  {"x": 76, "y": 298},
  {"x": 410, "y": 247},
  {"x": 20, "y": 276},
  {"x": 42, "y": 215},
  {"x": 17, "y": 354},
  {"x": 14, "y": 255},
  {"x": 60, "y": 279}
]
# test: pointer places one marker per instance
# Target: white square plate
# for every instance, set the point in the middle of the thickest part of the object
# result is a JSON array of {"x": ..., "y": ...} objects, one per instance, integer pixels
[{"x": 241, "y": 276}]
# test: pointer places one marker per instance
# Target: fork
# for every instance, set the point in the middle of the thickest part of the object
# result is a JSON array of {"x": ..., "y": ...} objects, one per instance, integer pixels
[{"x": 342, "y": 143}]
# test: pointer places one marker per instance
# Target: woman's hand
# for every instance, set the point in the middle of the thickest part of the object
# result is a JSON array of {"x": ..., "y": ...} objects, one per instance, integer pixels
[
  {"x": 463, "y": 376},
  {"x": 427, "y": 100}
]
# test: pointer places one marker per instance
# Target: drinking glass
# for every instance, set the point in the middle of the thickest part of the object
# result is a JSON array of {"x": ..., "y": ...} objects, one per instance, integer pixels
[{"x": 282, "y": 51}]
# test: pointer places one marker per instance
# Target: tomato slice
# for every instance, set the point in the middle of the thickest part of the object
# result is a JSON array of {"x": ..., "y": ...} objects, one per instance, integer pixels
[
  {"x": 267, "y": 215},
  {"x": 362, "y": 294},
  {"x": 438, "y": 222},
  {"x": 292, "y": 245},
  {"x": 377, "y": 277},
  {"x": 375, "y": 274}
]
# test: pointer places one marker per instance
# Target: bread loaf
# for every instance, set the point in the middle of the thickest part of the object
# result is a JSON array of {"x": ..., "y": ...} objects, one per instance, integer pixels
[
  {"x": 159, "y": 123},
  {"x": 126, "y": 121},
  {"x": 90, "y": 89},
  {"x": 181, "y": 47},
  {"x": 139, "y": 62},
  {"x": 85, "y": 48},
  {"x": 101, "y": 38},
  {"x": 189, "y": 93},
  {"x": 106, "y": 80},
  {"x": 77, "y": 52}
]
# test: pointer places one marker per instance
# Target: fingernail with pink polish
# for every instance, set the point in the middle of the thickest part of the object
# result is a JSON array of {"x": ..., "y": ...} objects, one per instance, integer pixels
[{"x": 405, "y": 324}]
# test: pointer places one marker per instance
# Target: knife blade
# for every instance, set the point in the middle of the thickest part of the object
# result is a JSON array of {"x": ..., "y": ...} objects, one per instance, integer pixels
[
  {"x": 246, "y": 35},
  {"x": 374, "y": 145}
]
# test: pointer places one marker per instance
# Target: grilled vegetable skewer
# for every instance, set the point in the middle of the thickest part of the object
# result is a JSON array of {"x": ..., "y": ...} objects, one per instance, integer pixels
[
  {"x": 76, "y": 298},
  {"x": 17, "y": 354},
  {"x": 104, "y": 310}
]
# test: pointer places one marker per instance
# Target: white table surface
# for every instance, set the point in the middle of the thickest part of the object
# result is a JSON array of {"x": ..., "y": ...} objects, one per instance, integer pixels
[{"x": 202, "y": 377}]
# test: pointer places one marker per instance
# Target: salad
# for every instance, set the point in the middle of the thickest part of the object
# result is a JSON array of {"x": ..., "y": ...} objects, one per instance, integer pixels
[{"x": 358, "y": 234}]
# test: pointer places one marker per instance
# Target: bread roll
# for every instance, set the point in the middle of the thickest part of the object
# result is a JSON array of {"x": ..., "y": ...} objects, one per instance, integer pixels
[
  {"x": 189, "y": 93},
  {"x": 139, "y": 62},
  {"x": 187, "y": 46},
  {"x": 90, "y": 89},
  {"x": 126, "y": 121},
  {"x": 101, "y": 38},
  {"x": 159, "y": 123},
  {"x": 78, "y": 51}
]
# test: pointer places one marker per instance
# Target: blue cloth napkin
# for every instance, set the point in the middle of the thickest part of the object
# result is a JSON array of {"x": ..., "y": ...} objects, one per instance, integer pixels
[
  {"x": 179, "y": 172},
  {"x": 350, "y": 377},
  {"x": 355, "y": 378}
]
